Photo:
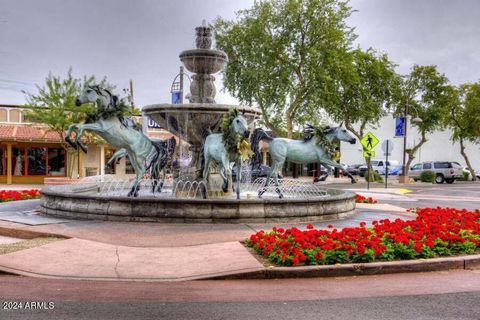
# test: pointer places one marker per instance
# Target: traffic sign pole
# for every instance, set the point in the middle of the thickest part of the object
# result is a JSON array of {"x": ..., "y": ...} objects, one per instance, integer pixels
[
  {"x": 368, "y": 174},
  {"x": 387, "y": 147},
  {"x": 386, "y": 166}
]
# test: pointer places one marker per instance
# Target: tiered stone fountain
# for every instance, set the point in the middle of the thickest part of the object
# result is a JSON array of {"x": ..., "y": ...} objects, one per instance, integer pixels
[
  {"x": 101, "y": 198},
  {"x": 190, "y": 121}
]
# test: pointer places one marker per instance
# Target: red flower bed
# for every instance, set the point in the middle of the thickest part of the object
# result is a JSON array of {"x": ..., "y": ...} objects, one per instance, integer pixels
[
  {"x": 11, "y": 195},
  {"x": 362, "y": 199},
  {"x": 435, "y": 232}
]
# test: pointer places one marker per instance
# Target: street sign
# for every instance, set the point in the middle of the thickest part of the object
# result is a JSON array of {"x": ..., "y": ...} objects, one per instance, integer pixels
[
  {"x": 369, "y": 154},
  {"x": 369, "y": 141},
  {"x": 387, "y": 146},
  {"x": 399, "y": 127}
]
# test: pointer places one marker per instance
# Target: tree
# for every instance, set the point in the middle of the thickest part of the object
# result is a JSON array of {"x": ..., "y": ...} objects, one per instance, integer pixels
[
  {"x": 54, "y": 105},
  {"x": 361, "y": 92},
  {"x": 281, "y": 55},
  {"x": 428, "y": 95},
  {"x": 465, "y": 119}
]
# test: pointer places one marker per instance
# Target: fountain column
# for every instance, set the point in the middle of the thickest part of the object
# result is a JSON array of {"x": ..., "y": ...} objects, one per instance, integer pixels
[{"x": 203, "y": 62}]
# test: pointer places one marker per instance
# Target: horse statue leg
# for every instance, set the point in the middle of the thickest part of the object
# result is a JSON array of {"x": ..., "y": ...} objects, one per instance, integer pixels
[
  {"x": 228, "y": 172},
  {"x": 161, "y": 183},
  {"x": 318, "y": 177},
  {"x": 331, "y": 163},
  {"x": 94, "y": 127},
  {"x": 140, "y": 172},
  {"x": 71, "y": 128},
  {"x": 267, "y": 182},
  {"x": 116, "y": 156},
  {"x": 238, "y": 163},
  {"x": 206, "y": 171},
  {"x": 277, "y": 167},
  {"x": 273, "y": 172}
]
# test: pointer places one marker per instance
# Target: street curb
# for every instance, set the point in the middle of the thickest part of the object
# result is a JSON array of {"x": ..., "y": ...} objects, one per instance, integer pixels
[
  {"x": 346, "y": 270},
  {"x": 28, "y": 234}
]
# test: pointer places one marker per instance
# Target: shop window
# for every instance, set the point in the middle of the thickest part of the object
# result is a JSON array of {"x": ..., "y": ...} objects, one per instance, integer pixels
[
  {"x": 36, "y": 161},
  {"x": 18, "y": 161},
  {"x": 14, "y": 116},
  {"x": 3, "y": 115},
  {"x": 3, "y": 161},
  {"x": 56, "y": 162}
]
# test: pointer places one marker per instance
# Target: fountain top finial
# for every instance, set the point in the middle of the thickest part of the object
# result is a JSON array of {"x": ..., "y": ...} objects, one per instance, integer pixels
[{"x": 204, "y": 36}]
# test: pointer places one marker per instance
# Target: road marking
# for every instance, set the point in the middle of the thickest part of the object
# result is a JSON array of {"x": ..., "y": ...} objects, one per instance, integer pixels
[{"x": 444, "y": 198}]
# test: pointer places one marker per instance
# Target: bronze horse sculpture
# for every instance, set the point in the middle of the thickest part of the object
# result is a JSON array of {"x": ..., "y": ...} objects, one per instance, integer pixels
[
  {"x": 112, "y": 123},
  {"x": 316, "y": 149}
]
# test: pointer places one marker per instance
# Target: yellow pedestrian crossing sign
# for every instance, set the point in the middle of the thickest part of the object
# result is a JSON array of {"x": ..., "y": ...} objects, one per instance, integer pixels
[
  {"x": 369, "y": 141},
  {"x": 369, "y": 154}
]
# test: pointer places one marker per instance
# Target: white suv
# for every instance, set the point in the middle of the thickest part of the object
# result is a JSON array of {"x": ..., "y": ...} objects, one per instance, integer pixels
[{"x": 445, "y": 171}]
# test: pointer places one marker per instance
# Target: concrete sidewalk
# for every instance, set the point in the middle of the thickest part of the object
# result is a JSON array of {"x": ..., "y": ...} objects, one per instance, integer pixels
[
  {"x": 89, "y": 260},
  {"x": 147, "y": 251}
]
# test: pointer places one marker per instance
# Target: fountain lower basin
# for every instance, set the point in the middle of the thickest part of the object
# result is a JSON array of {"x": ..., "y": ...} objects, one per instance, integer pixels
[{"x": 88, "y": 201}]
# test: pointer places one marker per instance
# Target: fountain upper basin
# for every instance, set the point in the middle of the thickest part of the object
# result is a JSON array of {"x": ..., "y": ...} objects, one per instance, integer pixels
[
  {"x": 189, "y": 121},
  {"x": 204, "y": 61}
]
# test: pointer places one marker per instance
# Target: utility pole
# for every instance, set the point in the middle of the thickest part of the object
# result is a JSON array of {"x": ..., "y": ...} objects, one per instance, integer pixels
[
  {"x": 131, "y": 94},
  {"x": 181, "y": 84}
]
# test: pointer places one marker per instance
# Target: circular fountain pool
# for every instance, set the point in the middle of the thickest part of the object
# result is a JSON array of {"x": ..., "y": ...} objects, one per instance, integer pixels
[{"x": 104, "y": 199}]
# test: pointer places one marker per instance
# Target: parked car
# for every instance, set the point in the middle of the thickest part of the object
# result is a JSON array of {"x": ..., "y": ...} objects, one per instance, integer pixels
[
  {"x": 393, "y": 170},
  {"x": 354, "y": 169},
  {"x": 445, "y": 171},
  {"x": 262, "y": 173},
  {"x": 379, "y": 166}
]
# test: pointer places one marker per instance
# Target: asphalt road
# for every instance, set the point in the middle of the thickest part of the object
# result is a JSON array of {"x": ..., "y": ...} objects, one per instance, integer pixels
[
  {"x": 457, "y": 195},
  {"x": 451, "y": 294},
  {"x": 444, "y": 306}
]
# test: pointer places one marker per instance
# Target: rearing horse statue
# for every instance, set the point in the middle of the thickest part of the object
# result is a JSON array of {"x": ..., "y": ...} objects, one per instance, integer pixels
[
  {"x": 318, "y": 148},
  {"x": 223, "y": 148},
  {"x": 111, "y": 123}
]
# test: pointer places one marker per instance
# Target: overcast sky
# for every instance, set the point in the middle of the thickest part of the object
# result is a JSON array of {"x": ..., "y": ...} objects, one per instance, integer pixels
[{"x": 141, "y": 39}]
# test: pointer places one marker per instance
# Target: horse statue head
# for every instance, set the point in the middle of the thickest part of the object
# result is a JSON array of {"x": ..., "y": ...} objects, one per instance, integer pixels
[
  {"x": 234, "y": 125},
  {"x": 337, "y": 134},
  {"x": 103, "y": 98}
]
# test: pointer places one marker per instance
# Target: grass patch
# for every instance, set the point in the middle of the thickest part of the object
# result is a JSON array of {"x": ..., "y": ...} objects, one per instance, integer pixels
[{"x": 26, "y": 244}]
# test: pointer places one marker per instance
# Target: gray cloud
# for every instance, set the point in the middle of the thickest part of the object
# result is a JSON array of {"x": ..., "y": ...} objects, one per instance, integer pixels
[{"x": 141, "y": 39}]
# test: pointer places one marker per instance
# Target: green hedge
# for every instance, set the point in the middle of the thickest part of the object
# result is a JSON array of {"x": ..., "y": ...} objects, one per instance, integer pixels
[
  {"x": 376, "y": 177},
  {"x": 427, "y": 176}
]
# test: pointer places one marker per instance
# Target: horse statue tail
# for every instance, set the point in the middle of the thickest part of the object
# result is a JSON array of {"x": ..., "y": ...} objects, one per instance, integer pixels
[
  {"x": 164, "y": 151},
  {"x": 205, "y": 134},
  {"x": 258, "y": 135}
]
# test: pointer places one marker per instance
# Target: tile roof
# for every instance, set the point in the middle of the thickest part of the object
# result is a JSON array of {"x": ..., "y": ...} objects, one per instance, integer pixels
[{"x": 27, "y": 133}]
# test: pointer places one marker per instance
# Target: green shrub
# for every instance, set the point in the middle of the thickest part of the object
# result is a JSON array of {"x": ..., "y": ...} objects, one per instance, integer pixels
[
  {"x": 376, "y": 177},
  {"x": 427, "y": 176},
  {"x": 465, "y": 176}
]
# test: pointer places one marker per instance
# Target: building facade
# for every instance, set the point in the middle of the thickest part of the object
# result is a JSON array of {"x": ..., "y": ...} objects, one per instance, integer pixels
[
  {"x": 439, "y": 146},
  {"x": 32, "y": 154}
]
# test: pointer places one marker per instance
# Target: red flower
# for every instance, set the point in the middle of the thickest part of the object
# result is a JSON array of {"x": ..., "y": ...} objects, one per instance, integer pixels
[{"x": 444, "y": 231}]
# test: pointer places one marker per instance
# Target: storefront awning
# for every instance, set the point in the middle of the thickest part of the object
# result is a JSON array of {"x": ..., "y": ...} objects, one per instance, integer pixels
[{"x": 27, "y": 133}]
